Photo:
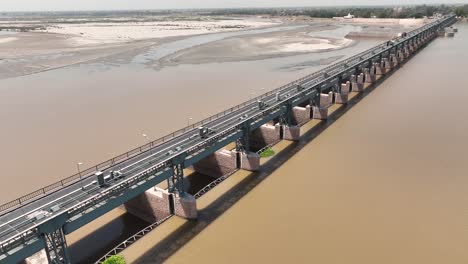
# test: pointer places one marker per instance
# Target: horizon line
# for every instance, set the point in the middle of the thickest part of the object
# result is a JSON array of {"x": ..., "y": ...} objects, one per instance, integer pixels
[{"x": 227, "y": 8}]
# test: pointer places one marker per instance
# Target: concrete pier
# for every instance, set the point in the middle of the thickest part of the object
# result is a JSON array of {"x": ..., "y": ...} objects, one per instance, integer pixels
[
  {"x": 388, "y": 65},
  {"x": 321, "y": 111},
  {"x": 218, "y": 164},
  {"x": 394, "y": 60},
  {"x": 185, "y": 206},
  {"x": 343, "y": 95},
  {"x": 326, "y": 100},
  {"x": 406, "y": 52},
  {"x": 292, "y": 133},
  {"x": 249, "y": 161},
  {"x": 400, "y": 56},
  {"x": 357, "y": 83},
  {"x": 301, "y": 115},
  {"x": 265, "y": 135},
  {"x": 368, "y": 78},
  {"x": 151, "y": 206},
  {"x": 155, "y": 205},
  {"x": 38, "y": 258},
  {"x": 379, "y": 68}
]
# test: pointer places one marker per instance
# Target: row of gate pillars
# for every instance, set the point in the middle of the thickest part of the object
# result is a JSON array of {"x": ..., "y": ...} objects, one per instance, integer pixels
[
  {"x": 287, "y": 127},
  {"x": 357, "y": 82},
  {"x": 176, "y": 201}
]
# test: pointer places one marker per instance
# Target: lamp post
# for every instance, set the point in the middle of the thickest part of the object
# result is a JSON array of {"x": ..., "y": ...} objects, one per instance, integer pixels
[
  {"x": 189, "y": 120},
  {"x": 149, "y": 143},
  {"x": 79, "y": 173}
]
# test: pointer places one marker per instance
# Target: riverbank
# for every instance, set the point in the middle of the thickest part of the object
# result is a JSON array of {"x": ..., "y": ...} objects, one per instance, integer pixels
[
  {"x": 55, "y": 45},
  {"x": 299, "y": 39},
  {"x": 58, "y": 44},
  {"x": 366, "y": 190}
]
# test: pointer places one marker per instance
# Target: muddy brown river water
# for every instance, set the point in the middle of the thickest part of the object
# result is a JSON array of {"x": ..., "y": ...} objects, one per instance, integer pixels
[
  {"x": 91, "y": 112},
  {"x": 385, "y": 183}
]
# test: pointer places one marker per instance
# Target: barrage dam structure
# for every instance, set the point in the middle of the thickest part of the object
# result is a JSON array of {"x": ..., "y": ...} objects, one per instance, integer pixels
[{"x": 40, "y": 220}]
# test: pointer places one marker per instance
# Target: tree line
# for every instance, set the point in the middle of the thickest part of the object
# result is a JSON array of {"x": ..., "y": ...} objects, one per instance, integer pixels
[{"x": 418, "y": 11}]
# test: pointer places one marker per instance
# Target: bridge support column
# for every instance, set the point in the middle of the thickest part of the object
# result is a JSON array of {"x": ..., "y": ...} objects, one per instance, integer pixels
[
  {"x": 151, "y": 206},
  {"x": 388, "y": 65},
  {"x": 218, "y": 164},
  {"x": 320, "y": 113},
  {"x": 292, "y": 133},
  {"x": 341, "y": 97},
  {"x": 185, "y": 206},
  {"x": 393, "y": 60},
  {"x": 301, "y": 115},
  {"x": 38, "y": 258},
  {"x": 406, "y": 52},
  {"x": 320, "y": 110},
  {"x": 246, "y": 159},
  {"x": 291, "y": 119},
  {"x": 379, "y": 69},
  {"x": 249, "y": 161},
  {"x": 400, "y": 56},
  {"x": 263, "y": 136},
  {"x": 56, "y": 247},
  {"x": 326, "y": 100},
  {"x": 55, "y": 243},
  {"x": 449, "y": 34},
  {"x": 357, "y": 83},
  {"x": 369, "y": 76},
  {"x": 417, "y": 44},
  {"x": 182, "y": 204}
]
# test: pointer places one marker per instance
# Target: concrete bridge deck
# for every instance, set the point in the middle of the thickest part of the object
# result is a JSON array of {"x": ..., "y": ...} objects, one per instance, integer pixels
[{"x": 41, "y": 219}]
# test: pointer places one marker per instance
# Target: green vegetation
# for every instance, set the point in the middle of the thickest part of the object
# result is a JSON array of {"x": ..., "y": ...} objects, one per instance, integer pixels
[
  {"x": 267, "y": 153},
  {"x": 462, "y": 11},
  {"x": 117, "y": 259},
  {"x": 418, "y": 11}
]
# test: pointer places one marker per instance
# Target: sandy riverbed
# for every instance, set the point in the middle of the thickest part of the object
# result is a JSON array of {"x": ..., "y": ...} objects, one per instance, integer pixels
[
  {"x": 261, "y": 46},
  {"x": 61, "y": 44},
  {"x": 100, "y": 33}
]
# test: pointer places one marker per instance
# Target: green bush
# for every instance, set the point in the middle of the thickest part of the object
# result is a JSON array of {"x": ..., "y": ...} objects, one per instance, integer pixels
[
  {"x": 267, "y": 153},
  {"x": 117, "y": 259}
]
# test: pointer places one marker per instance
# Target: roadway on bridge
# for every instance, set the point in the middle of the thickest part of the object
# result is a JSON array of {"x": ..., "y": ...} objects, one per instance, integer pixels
[{"x": 29, "y": 216}]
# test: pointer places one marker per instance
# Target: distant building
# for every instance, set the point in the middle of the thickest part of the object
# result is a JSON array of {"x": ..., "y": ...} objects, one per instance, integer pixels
[{"x": 349, "y": 16}]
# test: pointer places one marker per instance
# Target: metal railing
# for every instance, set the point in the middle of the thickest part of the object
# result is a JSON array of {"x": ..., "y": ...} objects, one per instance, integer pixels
[
  {"x": 131, "y": 240},
  {"x": 26, "y": 199},
  {"x": 164, "y": 164},
  {"x": 18, "y": 240},
  {"x": 213, "y": 184}
]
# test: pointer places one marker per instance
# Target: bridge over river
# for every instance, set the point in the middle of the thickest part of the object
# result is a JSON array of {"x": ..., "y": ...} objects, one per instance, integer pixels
[{"x": 41, "y": 220}]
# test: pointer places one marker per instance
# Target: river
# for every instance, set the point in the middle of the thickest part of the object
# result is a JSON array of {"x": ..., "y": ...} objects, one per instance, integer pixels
[
  {"x": 384, "y": 183},
  {"x": 93, "y": 111}
]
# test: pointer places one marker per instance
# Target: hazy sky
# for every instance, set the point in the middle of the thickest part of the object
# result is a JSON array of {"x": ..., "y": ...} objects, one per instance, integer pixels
[{"x": 40, "y": 5}]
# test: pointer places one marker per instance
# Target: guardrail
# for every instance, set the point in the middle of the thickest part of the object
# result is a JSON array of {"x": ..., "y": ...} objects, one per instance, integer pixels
[
  {"x": 129, "y": 241},
  {"x": 26, "y": 199},
  {"x": 164, "y": 164}
]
